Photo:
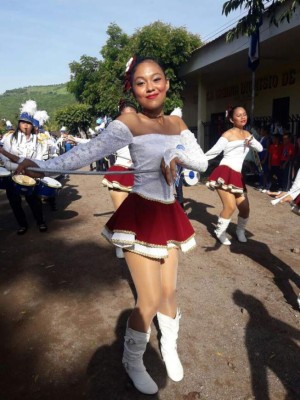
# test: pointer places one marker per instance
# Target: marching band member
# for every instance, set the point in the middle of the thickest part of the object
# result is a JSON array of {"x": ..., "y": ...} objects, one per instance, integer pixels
[
  {"x": 24, "y": 143},
  {"x": 227, "y": 177},
  {"x": 149, "y": 225}
]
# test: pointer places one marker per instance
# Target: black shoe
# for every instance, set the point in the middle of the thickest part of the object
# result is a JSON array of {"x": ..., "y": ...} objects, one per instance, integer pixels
[
  {"x": 22, "y": 230},
  {"x": 43, "y": 227}
]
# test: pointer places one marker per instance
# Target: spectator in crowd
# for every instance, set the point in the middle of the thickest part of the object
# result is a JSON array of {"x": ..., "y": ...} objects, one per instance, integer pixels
[
  {"x": 275, "y": 151},
  {"x": 287, "y": 156}
]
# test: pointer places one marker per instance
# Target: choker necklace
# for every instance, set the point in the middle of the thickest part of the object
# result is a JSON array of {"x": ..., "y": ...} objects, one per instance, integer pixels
[{"x": 152, "y": 116}]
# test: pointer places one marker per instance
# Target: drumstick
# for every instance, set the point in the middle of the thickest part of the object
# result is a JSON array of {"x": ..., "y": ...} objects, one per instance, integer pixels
[{"x": 278, "y": 200}]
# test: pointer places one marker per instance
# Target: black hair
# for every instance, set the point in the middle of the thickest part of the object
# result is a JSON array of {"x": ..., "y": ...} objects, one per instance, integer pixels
[
  {"x": 123, "y": 103},
  {"x": 230, "y": 111}
]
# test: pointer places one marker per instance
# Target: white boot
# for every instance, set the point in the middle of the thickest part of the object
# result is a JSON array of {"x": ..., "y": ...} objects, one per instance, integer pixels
[
  {"x": 169, "y": 328},
  {"x": 134, "y": 348},
  {"x": 220, "y": 231},
  {"x": 240, "y": 229},
  {"x": 119, "y": 252}
]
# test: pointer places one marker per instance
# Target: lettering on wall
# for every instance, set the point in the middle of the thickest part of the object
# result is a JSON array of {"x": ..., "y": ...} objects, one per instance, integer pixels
[{"x": 267, "y": 82}]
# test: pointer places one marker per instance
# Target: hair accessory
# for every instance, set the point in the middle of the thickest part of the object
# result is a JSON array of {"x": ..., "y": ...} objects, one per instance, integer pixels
[
  {"x": 229, "y": 109},
  {"x": 129, "y": 65}
]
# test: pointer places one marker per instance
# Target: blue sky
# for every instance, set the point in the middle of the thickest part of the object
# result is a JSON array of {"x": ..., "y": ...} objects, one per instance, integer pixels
[{"x": 40, "y": 38}]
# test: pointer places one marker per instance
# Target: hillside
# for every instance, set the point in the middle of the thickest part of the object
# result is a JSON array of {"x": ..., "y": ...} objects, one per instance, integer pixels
[{"x": 50, "y": 98}]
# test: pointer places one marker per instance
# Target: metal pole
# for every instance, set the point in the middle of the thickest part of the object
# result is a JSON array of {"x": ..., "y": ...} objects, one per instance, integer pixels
[{"x": 252, "y": 98}]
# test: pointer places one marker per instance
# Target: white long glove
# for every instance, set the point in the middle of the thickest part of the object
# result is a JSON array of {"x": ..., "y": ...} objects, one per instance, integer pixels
[{"x": 191, "y": 155}]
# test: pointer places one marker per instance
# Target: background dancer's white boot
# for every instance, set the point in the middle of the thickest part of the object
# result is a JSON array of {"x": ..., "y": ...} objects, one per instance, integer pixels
[
  {"x": 169, "y": 328},
  {"x": 220, "y": 231},
  {"x": 119, "y": 252},
  {"x": 240, "y": 229},
  {"x": 134, "y": 348}
]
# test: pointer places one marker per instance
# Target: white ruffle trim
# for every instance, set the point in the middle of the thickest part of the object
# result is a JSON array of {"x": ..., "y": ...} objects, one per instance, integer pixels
[
  {"x": 116, "y": 185},
  {"x": 126, "y": 240},
  {"x": 220, "y": 184}
]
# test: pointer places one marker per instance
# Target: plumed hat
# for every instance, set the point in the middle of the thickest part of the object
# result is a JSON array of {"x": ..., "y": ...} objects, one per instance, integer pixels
[
  {"x": 9, "y": 126},
  {"x": 27, "y": 111},
  {"x": 41, "y": 117}
]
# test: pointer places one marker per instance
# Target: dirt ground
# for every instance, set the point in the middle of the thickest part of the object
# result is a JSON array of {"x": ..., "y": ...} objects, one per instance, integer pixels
[{"x": 65, "y": 298}]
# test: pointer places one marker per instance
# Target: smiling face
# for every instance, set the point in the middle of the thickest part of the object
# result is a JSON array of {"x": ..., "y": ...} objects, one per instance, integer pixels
[
  {"x": 150, "y": 85},
  {"x": 239, "y": 117}
]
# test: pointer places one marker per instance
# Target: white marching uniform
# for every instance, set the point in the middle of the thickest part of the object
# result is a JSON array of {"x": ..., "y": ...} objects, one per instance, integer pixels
[{"x": 35, "y": 147}]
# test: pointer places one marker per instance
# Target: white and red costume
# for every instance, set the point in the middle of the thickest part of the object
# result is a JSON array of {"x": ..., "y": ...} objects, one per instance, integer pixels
[
  {"x": 123, "y": 182},
  {"x": 150, "y": 220},
  {"x": 295, "y": 190},
  {"x": 228, "y": 174}
]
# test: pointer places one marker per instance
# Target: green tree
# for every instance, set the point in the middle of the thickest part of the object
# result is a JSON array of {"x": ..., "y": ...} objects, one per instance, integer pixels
[
  {"x": 75, "y": 117},
  {"x": 101, "y": 85},
  {"x": 84, "y": 77},
  {"x": 256, "y": 8}
]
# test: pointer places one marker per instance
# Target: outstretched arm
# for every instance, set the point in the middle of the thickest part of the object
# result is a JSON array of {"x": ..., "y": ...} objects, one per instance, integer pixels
[
  {"x": 217, "y": 148},
  {"x": 293, "y": 192},
  {"x": 114, "y": 137}
]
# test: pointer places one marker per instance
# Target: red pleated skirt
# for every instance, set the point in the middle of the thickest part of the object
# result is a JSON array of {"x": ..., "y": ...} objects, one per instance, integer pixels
[
  {"x": 297, "y": 200},
  {"x": 149, "y": 227},
  {"x": 223, "y": 177},
  {"x": 117, "y": 181}
]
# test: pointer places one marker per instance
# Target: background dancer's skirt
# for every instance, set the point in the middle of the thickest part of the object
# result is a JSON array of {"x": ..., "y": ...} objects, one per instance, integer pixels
[
  {"x": 122, "y": 182},
  {"x": 223, "y": 177},
  {"x": 297, "y": 200},
  {"x": 149, "y": 227}
]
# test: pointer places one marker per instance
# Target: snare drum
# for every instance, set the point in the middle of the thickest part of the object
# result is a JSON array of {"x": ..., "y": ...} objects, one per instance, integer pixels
[
  {"x": 191, "y": 177},
  {"x": 23, "y": 184},
  {"x": 47, "y": 187},
  {"x": 4, "y": 177}
]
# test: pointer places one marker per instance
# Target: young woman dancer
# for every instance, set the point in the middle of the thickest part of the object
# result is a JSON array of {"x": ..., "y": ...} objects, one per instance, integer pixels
[
  {"x": 227, "y": 178},
  {"x": 149, "y": 225}
]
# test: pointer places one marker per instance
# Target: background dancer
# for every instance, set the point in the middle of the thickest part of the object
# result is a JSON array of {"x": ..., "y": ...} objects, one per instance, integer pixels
[
  {"x": 227, "y": 178},
  {"x": 293, "y": 195},
  {"x": 120, "y": 185},
  {"x": 149, "y": 224}
]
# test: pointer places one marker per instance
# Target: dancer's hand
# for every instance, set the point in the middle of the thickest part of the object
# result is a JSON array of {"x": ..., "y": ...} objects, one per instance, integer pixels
[
  {"x": 286, "y": 199},
  {"x": 169, "y": 173},
  {"x": 22, "y": 169},
  {"x": 248, "y": 140}
]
